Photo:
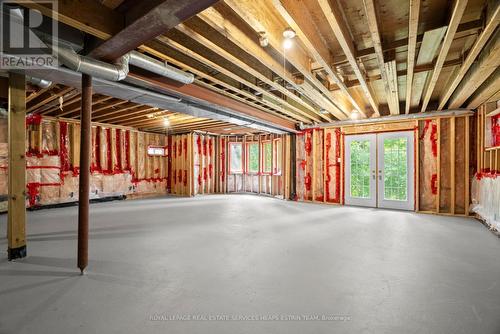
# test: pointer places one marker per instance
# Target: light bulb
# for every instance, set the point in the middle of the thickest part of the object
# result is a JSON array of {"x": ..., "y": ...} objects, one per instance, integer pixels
[
  {"x": 355, "y": 115},
  {"x": 287, "y": 43},
  {"x": 166, "y": 122}
]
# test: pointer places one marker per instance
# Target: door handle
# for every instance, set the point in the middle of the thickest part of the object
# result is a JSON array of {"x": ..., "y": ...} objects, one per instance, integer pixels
[
  {"x": 380, "y": 175},
  {"x": 374, "y": 175}
]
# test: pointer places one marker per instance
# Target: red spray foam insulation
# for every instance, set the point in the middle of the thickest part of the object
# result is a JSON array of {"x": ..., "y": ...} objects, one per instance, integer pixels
[
  {"x": 223, "y": 158},
  {"x": 108, "y": 150},
  {"x": 118, "y": 167},
  {"x": 63, "y": 146},
  {"x": 337, "y": 170},
  {"x": 127, "y": 150},
  {"x": 328, "y": 145},
  {"x": 434, "y": 185},
  {"x": 96, "y": 167},
  {"x": 307, "y": 181},
  {"x": 495, "y": 130}
]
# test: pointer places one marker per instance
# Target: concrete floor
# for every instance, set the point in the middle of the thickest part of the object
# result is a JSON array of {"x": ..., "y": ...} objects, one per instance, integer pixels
[{"x": 156, "y": 263}]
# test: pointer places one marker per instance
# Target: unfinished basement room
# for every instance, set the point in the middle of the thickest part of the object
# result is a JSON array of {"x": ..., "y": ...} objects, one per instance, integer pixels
[{"x": 250, "y": 166}]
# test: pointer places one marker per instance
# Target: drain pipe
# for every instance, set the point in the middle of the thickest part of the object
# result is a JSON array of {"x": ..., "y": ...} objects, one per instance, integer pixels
[{"x": 119, "y": 70}]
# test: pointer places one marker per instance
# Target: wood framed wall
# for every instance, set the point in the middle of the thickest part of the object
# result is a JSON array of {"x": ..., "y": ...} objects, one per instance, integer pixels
[
  {"x": 270, "y": 184},
  {"x": 442, "y": 168}
]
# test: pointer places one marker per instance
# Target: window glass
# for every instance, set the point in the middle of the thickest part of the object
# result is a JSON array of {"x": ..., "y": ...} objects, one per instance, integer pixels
[
  {"x": 235, "y": 155},
  {"x": 277, "y": 156},
  {"x": 253, "y": 157},
  {"x": 156, "y": 151},
  {"x": 267, "y": 156}
]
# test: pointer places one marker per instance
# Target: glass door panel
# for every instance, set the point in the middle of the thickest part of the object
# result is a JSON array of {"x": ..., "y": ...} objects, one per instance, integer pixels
[
  {"x": 396, "y": 170},
  {"x": 360, "y": 170}
]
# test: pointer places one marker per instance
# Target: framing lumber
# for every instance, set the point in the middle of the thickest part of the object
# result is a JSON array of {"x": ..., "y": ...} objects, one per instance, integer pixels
[
  {"x": 335, "y": 19},
  {"x": 256, "y": 13},
  {"x": 371, "y": 17},
  {"x": 16, "y": 220},
  {"x": 217, "y": 18},
  {"x": 412, "y": 45},
  {"x": 236, "y": 61},
  {"x": 148, "y": 20},
  {"x": 486, "y": 64},
  {"x": 489, "y": 91},
  {"x": 428, "y": 49},
  {"x": 456, "y": 16},
  {"x": 489, "y": 29}
]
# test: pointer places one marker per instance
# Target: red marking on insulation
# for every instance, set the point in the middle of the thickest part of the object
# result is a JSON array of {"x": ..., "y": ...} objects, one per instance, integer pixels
[{"x": 434, "y": 186}]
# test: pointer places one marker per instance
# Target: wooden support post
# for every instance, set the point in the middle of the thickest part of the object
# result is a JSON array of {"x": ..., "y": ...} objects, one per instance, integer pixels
[
  {"x": 467, "y": 176},
  {"x": 438, "y": 196},
  {"x": 417, "y": 166},
  {"x": 452, "y": 164},
  {"x": 16, "y": 226},
  {"x": 84, "y": 186}
]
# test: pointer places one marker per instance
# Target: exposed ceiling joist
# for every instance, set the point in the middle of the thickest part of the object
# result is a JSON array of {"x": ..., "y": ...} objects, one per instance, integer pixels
[
  {"x": 488, "y": 92},
  {"x": 486, "y": 65},
  {"x": 235, "y": 60},
  {"x": 257, "y": 14},
  {"x": 485, "y": 35},
  {"x": 456, "y": 16},
  {"x": 428, "y": 50},
  {"x": 412, "y": 45},
  {"x": 224, "y": 25},
  {"x": 336, "y": 21},
  {"x": 371, "y": 16}
]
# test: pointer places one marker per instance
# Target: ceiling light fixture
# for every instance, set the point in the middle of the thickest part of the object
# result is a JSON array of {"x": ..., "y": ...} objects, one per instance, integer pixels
[
  {"x": 263, "y": 40},
  {"x": 323, "y": 111},
  {"x": 355, "y": 115},
  {"x": 289, "y": 34},
  {"x": 166, "y": 121}
]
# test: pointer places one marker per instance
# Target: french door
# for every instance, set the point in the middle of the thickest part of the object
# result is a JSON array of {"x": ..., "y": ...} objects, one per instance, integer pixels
[{"x": 379, "y": 170}]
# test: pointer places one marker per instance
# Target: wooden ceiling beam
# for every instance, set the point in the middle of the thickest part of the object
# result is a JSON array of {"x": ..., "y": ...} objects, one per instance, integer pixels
[
  {"x": 111, "y": 111},
  {"x": 485, "y": 35},
  {"x": 89, "y": 16},
  {"x": 294, "y": 111},
  {"x": 215, "y": 98},
  {"x": 412, "y": 46},
  {"x": 488, "y": 92},
  {"x": 456, "y": 16},
  {"x": 218, "y": 18},
  {"x": 238, "y": 62},
  {"x": 487, "y": 63},
  {"x": 148, "y": 20},
  {"x": 44, "y": 100},
  {"x": 262, "y": 18},
  {"x": 426, "y": 54},
  {"x": 371, "y": 17},
  {"x": 140, "y": 110},
  {"x": 155, "y": 49},
  {"x": 333, "y": 14},
  {"x": 404, "y": 42}
]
